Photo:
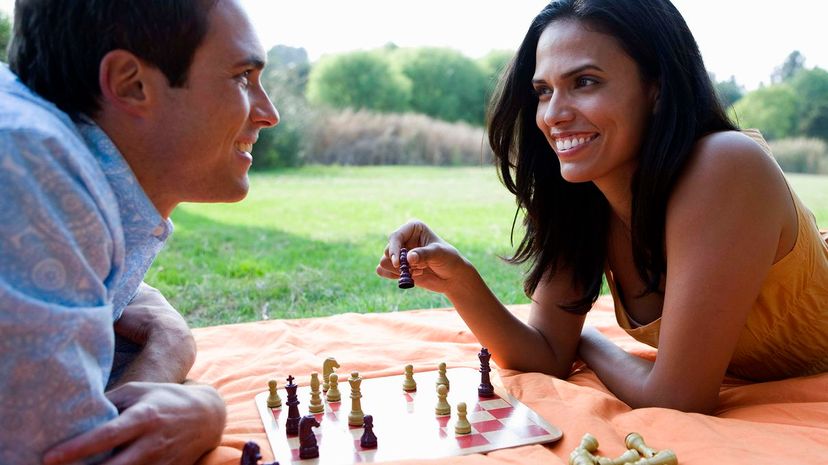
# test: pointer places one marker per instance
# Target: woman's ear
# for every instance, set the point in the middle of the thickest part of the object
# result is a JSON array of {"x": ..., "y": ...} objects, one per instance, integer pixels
[{"x": 655, "y": 95}]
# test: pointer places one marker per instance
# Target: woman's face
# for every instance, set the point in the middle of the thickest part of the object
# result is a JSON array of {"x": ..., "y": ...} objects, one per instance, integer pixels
[{"x": 593, "y": 104}]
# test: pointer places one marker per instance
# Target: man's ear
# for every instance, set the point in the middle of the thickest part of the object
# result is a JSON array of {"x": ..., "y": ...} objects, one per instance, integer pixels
[{"x": 124, "y": 79}]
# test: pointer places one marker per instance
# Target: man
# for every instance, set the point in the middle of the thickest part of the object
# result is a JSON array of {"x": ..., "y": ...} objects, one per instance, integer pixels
[{"x": 113, "y": 113}]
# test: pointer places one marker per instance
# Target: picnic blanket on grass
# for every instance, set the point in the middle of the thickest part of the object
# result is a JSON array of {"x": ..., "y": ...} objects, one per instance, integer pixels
[{"x": 762, "y": 423}]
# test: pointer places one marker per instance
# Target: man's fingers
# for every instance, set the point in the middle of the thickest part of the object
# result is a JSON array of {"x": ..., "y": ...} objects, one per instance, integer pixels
[{"x": 117, "y": 432}]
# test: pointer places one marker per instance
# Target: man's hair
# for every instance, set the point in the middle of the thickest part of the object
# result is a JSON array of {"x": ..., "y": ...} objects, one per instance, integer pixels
[
  {"x": 57, "y": 45},
  {"x": 566, "y": 224}
]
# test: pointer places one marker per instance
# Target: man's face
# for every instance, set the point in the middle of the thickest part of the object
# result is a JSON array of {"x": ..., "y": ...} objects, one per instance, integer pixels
[{"x": 207, "y": 128}]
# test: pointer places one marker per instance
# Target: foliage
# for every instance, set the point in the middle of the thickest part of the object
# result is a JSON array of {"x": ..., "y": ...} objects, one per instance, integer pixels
[
  {"x": 729, "y": 92},
  {"x": 772, "y": 109},
  {"x": 5, "y": 35},
  {"x": 801, "y": 155},
  {"x": 369, "y": 138},
  {"x": 445, "y": 84},
  {"x": 361, "y": 79},
  {"x": 794, "y": 63},
  {"x": 284, "y": 80},
  {"x": 811, "y": 87},
  {"x": 306, "y": 241}
]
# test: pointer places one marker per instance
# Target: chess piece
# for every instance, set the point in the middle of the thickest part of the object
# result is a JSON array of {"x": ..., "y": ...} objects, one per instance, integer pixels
[
  {"x": 315, "y": 405},
  {"x": 627, "y": 457},
  {"x": 273, "y": 400},
  {"x": 333, "y": 394},
  {"x": 581, "y": 456},
  {"x": 368, "y": 439},
  {"x": 635, "y": 441},
  {"x": 663, "y": 457},
  {"x": 408, "y": 382},
  {"x": 308, "y": 448},
  {"x": 355, "y": 418},
  {"x": 251, "y": 455},
  {"x": 589, "y": 443},
  {"x": 441, "y": 375},
  {"x": 485, "y": 389},
  {"x": 292, "y": 424},
  {"x": 443, "y": 407},
  {"x": 327, "y": 368},
  {"x": 405, "y": 281},
  {"x": 462, "y": 426}
]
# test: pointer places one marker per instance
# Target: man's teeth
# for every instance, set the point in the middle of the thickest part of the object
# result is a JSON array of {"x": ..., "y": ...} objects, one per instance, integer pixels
[
  {"x": 571, "y": 142},
  {"x": 244, "y": 147}
]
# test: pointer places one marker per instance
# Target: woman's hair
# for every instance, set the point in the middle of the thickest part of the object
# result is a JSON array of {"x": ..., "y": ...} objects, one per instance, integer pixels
[{"x": 566, "y": 224}]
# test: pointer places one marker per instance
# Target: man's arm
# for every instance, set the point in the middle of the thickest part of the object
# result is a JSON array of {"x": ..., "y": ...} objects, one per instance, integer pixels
[{"x": 165, "y": 344}]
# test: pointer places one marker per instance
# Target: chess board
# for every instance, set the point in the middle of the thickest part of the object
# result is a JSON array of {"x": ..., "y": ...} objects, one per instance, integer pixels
[{"x": 405, "y": 423}]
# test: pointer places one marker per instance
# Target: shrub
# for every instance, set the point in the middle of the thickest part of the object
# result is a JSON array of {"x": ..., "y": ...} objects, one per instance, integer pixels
[
  {"x": 367, "y": 138},
  {"x": 801, "y": 155}
]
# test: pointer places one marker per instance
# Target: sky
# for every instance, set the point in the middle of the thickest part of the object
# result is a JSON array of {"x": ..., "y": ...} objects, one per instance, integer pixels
[{"x": 742, "y": 38}]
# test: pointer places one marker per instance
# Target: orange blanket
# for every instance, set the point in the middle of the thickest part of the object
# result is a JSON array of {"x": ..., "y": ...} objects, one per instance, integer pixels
[{"x": 768, "y": 423}]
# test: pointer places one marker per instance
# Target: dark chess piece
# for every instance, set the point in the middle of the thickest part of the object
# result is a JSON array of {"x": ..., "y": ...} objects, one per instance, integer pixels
[
  {"x": 292, "y": 424},
  {"x": 406, "y": 281},
  {"x": 368, "y": 439},
  {"x": 485, "y": 389},
  {"x": 251, "y": 454},
  {"x": 308, "y": 449}
]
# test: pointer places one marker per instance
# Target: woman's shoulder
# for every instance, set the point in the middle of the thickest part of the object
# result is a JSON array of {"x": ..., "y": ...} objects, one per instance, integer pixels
[
  {"x": 732, "y": 158},
  {"x": 730, "y": 165}
]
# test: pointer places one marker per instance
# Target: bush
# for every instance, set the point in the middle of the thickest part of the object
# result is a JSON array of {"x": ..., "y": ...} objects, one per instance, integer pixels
[
  {"x": 367, "y": 138},
  {"x": 801, "y": 155}
]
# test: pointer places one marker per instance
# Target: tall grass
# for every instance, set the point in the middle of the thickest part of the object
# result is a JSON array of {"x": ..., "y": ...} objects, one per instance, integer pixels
[{"x": 306, "y": 241}]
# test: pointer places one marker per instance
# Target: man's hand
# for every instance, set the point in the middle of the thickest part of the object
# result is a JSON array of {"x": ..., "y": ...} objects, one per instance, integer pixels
[
  {"x": 167, "y": 345},
  {"x": 159, "y": 424}
]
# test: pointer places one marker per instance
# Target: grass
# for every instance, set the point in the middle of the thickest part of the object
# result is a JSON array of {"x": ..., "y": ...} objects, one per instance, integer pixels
[{"x": 306, "y": 241}]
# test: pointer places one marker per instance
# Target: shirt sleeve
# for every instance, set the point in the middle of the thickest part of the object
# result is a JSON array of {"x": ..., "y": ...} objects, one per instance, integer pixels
[{"x": 59, "y": 253}]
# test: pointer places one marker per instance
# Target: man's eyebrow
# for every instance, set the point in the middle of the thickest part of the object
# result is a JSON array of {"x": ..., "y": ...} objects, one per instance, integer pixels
[
  {"x": 572, "y": 72},
  {"x": 254, "y": 61}
]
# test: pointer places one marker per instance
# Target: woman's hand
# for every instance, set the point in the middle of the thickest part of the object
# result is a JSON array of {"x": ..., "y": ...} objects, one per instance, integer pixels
[
  {"x": 434, "y": 263},
  {"x": 159, "y": 424}
]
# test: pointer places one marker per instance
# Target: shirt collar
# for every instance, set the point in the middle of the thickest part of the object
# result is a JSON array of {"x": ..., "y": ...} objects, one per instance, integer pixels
[{"x": 138, "y": 214}]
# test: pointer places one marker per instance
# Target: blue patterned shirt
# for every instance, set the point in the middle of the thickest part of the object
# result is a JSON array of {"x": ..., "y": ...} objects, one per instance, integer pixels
[{"x": 77, "y": 234}]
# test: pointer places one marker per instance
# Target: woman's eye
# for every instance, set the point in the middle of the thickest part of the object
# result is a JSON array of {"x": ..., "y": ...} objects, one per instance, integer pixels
[
  {"x": 542, "y": 92},
  {"x": 585, "y": 81}
]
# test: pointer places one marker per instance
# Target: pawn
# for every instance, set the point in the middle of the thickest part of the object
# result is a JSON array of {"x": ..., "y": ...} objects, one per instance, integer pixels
[
  {"x": 589, "y": 443},
  {"x": 462, "y": 426},
  {"x": 441, "y": 375},
  {"x": 635, "y": 441},
  {"x": 408, "y": 382},
  {"x": 315, "y": 405},
  {"x": 663, "y": 457},
  {"x": 581, "y": 456},
  {"x": 368, "y": 439},
  {"x": 443, "y": 407},
  {"x": 627, "y": 457},
  {"x": 405, "y": 281},
  {"x": 333, "y": 394},
  {"x": 273, "y": 400}
]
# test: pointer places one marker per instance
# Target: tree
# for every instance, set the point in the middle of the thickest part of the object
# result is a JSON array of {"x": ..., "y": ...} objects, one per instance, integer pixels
[
  {"x": 794, "y": 63},
  {"x": 361, "y": 79},
  {"x": 773, "y": 110},
  {"x": 445, "y": 84},
  {"x": 5, "y": 35},
  {"x": 285, "y": 79},
  {"x": 811, "y": 88},
  {"x": 729, "y": 92}
]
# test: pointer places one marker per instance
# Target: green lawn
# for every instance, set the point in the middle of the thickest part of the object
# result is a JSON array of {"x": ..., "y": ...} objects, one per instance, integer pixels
[{"x": 306, "y": 242}]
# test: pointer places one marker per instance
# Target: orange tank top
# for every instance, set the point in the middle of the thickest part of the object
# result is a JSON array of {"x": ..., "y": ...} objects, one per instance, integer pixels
[{"x": 786, "y": 333}]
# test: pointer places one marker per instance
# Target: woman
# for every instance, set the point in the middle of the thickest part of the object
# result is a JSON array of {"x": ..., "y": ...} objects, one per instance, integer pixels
[{"x": 608, "y": 131}]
